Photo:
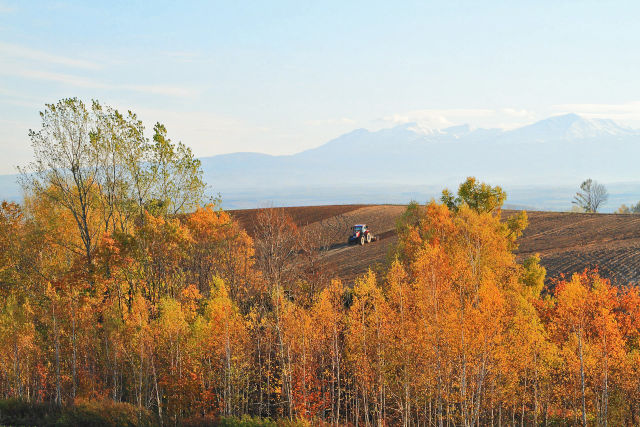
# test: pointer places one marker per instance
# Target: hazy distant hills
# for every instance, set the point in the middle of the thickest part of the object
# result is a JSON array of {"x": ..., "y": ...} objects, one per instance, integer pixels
[
  {"x": 556, "y": 151},
  {"x": 541, "y": 165}
]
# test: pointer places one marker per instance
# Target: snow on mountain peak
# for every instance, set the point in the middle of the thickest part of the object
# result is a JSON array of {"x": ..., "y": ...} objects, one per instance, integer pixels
[
  {"x": 571, "y": 126},
  {"x": 586, "y": 128},
  {"x": 417, "y": 128},
  {"x": 459, "y": 130},
  {"x": 423, "y": 130},
  {"x": 566, "y": 126}
]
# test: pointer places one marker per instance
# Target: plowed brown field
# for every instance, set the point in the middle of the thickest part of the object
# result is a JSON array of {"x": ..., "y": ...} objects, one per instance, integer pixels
[{"x": 566, "y": 242}]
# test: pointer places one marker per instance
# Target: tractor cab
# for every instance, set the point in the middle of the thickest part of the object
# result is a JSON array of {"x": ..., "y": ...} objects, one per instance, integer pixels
[
  {"x": 361, "y": 234},
  {"x": 359, "y": 228}
]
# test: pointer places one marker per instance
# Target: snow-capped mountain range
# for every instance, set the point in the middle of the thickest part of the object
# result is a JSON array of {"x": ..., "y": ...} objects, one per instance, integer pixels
[{"x": 558, "y": 152}]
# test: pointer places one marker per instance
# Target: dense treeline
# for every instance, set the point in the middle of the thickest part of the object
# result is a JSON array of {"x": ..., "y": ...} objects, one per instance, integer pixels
[{"x": 114, "y": 287}]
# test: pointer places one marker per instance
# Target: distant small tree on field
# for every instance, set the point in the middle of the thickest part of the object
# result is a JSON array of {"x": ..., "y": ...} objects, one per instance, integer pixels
[
  {"x": 478, "y": 196},
  {"x": 633, "y": 209},
  {"x": 591, "y": 196},
  {"x": 623, "y": 209}
]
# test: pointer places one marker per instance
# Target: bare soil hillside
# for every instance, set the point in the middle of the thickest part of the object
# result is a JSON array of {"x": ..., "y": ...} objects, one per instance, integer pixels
[
  {"x": 570, "y": 242},
  {"x": 302, "y": 215},
  {"x": 566, "y": 242}
]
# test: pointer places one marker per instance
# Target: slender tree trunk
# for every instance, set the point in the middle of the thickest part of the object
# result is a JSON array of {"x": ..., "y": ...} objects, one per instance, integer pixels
[
  {"x": 155, "y": 381},
  {"x": 290, "y": 381},
  {"x": 141, "y": 372},
  {"x": 283, "y": 360},
  {"x": 338, "y": 372},
  {"x": 58, "y": 399},
  {"x": 16, "y": 367},
  {"x": 304, "y": 376},
  {"x": 605, "y": 397},
  {"x": 260, "y": 383},
  {"x": 115, "y": 375},
  {"x": 269, "y": 351},
  {"x": 546, "y": 414},
  {"x": 492, "y": 414},
  {"x": 584, "y": 411},
  {"x": 523, "y": 402},
  {"x": 463, "y": 374},
  {"x": 535, "y": 390},
  {"x": 74, "y": 376},
  {"x": 228, "y": 371}
]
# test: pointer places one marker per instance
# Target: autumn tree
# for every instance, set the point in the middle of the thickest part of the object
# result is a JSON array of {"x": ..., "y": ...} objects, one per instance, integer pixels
[
  {"x": 466, "y": 292},
  {"x": 220, "y": 248},
  {"x": 66, "y": 166},
  {"x": 367, "y": 346},
  {"x": 11, "y": 230},
  {"x": 632, "y": 209},
  {"x": 477, "y": 195},
  {"x": 96, "y": 163},
  {"x": 177, "y": 176},
  {"x": 585, "y": 326},
  {"x": 329, "y": 320}
]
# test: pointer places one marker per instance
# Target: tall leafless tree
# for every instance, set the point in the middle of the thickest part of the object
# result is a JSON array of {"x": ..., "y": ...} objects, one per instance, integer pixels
[
  {"x": 591, "y": 196},
  {"x": 277, "y": 242}
]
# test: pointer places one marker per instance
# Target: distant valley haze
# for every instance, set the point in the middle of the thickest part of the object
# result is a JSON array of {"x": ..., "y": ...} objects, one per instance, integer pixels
[{"x": 540, "y": 165}]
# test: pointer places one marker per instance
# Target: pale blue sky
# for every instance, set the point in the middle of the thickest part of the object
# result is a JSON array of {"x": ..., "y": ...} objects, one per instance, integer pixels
[{"x": 280, "y": 77}]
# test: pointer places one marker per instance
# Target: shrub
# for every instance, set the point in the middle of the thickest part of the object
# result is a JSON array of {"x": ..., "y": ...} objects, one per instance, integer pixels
[
  {"x": 19, "y": 412},
  {"x": 105, "y": 413},
  {"x": 84, "y": 413},
  {"x": 244, "y": 421}
]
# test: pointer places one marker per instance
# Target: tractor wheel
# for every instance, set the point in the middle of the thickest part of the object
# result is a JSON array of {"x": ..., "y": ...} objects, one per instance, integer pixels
[
  {"x": 362, "y": 241},
  {"x": 368, "y": 237}
]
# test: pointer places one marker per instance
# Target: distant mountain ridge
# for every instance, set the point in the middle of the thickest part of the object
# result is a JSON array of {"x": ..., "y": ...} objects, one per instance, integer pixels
[
  {"x": 560, "y": 150},
  {"x": 573, "y": 126},
  {"x": 556, "y": 152}
]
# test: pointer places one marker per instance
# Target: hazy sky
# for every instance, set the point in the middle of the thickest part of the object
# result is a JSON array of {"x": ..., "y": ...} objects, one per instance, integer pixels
[{"x": 280, "y": 77}]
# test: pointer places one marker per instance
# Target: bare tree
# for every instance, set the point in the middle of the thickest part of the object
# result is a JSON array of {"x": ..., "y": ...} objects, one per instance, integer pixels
[
  {"x": 277, "y": 242},
  {"x": 591, "y": 196},
  {"x": 318, "y": 239}
]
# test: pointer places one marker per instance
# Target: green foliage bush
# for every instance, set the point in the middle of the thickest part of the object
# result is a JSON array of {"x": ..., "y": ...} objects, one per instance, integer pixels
[
  {"x": 244, "y": 421},
  {"x": 247, "y": 421},
  {"x": 105, "y": 413},
  {"x": 16, "y": 412},
  {"x": 97, "y": 413}
]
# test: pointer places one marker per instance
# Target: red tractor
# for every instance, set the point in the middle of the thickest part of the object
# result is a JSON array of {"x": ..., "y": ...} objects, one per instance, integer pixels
[{"x": 360, "y": 233}]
